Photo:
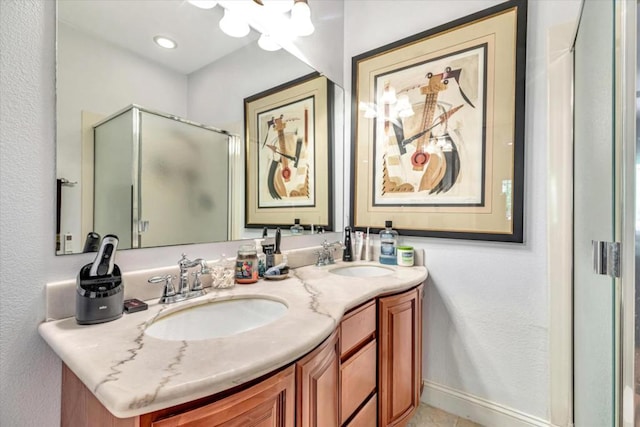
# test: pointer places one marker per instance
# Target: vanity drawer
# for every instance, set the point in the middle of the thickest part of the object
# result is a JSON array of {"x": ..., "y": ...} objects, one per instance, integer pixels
[
  {"x": 357, "y": 327},
  {"x": 357, "y": 380},
  {"x": 367, "y": 416}
]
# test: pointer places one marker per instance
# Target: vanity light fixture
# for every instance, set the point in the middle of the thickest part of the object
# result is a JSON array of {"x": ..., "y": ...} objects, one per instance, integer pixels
[
  {"x": 301, "y": 18},
  {"x": 204, "y": 4},
  {"x": 276, "y": 20},
  {"x": 233, "y": 25},
  {"x": 165, "y": 42}
]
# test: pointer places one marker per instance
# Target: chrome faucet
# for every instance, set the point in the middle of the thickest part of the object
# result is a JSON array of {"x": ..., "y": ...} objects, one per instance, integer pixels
[
  {"x": 185, "y": 291},
  {"x": 325, "y": 255},
  {"x": 185, "y": 264}
]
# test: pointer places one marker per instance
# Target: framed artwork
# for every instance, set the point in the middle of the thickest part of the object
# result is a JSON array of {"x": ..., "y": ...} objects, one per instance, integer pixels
[
  {"x": 438, "y": 130},
  {"x": 288, "y": 145}
]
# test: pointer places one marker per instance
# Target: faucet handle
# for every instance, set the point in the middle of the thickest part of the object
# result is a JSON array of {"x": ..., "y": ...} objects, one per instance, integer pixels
[
  {"x": 169, "y": 290},
  {"x": 183, "y": 260},
  {"x": 197, "y": 283}
]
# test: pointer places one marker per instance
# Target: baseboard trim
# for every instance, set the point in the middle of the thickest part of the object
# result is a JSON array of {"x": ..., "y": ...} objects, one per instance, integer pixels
[{"x": 477, "y": 409}]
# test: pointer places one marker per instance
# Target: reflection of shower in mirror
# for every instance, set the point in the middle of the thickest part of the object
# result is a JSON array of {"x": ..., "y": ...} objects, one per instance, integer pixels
[{"x": 159, "y": 180}]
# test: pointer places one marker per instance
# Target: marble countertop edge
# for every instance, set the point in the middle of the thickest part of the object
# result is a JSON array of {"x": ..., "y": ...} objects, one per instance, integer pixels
[{"x": 131, "y": 373}]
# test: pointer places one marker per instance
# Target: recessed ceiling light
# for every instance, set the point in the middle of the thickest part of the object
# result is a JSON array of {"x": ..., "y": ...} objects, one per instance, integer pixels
[{"x": 165, "y": 42}]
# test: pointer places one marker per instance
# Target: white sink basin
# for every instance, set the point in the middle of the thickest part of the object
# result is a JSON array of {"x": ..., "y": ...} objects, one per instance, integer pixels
[
  {"x": 362, "y": 271},
  {"x": 217, "y": 319}
]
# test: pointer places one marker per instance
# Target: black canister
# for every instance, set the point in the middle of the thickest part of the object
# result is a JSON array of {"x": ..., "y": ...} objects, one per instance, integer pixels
[
  {"x": 347, "y": 255},
  {"x": 98, "y": 298}
]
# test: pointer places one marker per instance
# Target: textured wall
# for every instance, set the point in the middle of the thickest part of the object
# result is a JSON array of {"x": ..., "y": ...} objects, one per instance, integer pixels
[{"x": 29, "y": 371}]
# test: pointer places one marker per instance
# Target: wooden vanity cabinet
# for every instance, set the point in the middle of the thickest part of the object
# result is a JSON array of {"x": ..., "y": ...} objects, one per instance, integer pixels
[
  {"x": 400, "y": 356},
  {"x": 317, "y": 385},
  {"x": 367, "y": 373},
  {"x": 269, "y": 402},
  {"x": 358, "y": 363}
]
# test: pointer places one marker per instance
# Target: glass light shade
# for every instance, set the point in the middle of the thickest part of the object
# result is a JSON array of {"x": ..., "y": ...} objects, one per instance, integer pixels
[
  {"x": 266, "y": 42},
  {"x": 300, "y": 10},
  {"x": 303, "y": 28},
  {"x": 233, "y": 25},
  {"x": 165, "y": 42},
  {"x": 301, "y": 19},
  {"x": 204, "y": 4}
]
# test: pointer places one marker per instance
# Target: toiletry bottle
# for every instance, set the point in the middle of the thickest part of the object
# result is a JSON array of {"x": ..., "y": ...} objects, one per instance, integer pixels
[
  {"x": 388, "y": 244},
  {"x": 262, "y": 258},
  {"x": 277, "y": 255},
  {"x": 358, "y": 245},
  {"x": 296, "y": 228},
  {"x": 367, "y": 247},
  {"x": 347, "y": 255}
]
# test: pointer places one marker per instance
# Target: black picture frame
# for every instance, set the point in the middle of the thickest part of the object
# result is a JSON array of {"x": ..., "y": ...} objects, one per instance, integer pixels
[
  {"x": 274, "y": 204},
  {"x": 397, "y": 170}
]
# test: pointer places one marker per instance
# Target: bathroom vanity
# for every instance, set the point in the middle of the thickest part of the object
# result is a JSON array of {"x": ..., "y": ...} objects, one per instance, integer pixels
[{"x": 348, "y": 352}]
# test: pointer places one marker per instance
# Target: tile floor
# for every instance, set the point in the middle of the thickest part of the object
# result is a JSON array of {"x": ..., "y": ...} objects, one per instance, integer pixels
[{"x": 428, "y": 416}]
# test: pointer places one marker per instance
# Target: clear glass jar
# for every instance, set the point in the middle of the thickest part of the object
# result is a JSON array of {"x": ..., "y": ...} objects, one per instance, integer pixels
[{"x": 247, "y": 265}]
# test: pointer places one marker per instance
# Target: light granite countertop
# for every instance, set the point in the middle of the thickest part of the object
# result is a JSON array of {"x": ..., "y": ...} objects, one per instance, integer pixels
[{"x": 132, "y": 373}]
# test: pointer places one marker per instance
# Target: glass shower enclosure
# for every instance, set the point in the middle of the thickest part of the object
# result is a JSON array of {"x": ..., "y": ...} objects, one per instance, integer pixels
[{"x": 160, "y": 180}]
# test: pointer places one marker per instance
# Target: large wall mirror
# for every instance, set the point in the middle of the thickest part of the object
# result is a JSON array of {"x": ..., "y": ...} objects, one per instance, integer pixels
[{"x": 150, "y": 141}]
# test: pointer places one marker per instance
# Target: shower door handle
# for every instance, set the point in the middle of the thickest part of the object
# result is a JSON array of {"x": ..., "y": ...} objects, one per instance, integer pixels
[
  {"x": 143, "y": 226},
  {"x": 606, "y": 258}
]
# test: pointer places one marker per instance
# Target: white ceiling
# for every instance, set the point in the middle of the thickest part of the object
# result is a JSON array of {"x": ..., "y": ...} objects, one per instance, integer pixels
[{"x": 132, "y": 24}]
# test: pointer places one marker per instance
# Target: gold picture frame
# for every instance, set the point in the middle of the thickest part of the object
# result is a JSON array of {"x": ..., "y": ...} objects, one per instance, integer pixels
[
  {"x": 288, "y": 149},
  {"x": 438, "y": 130}
]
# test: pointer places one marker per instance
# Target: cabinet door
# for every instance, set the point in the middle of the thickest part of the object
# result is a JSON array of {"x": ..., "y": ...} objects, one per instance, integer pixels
[
  {"x": 270, "y": 403},
  {"x": 400, "y": 356},
  {"x": 317, "y": 380}
]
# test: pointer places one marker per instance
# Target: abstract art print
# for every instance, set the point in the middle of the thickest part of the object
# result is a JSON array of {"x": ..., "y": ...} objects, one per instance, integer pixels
[
  {"x": 286, "y": 161},
  {"x": 288, "y": 148},
  {"x": 438, "y": 129}
]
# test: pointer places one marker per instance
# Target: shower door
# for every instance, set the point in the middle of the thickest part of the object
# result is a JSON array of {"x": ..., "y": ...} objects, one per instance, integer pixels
[
  {"x": 596, "y": 300},
  {"x": 183, "y": 183}
]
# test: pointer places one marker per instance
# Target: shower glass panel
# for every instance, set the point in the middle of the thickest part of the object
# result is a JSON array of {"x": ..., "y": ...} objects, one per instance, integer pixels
[
  {"x": 183, "y": 199},
  {"x": 594, "y": 296},
  {"x": 113, "y": 179},
  {"x": 160, "y": 180}
]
